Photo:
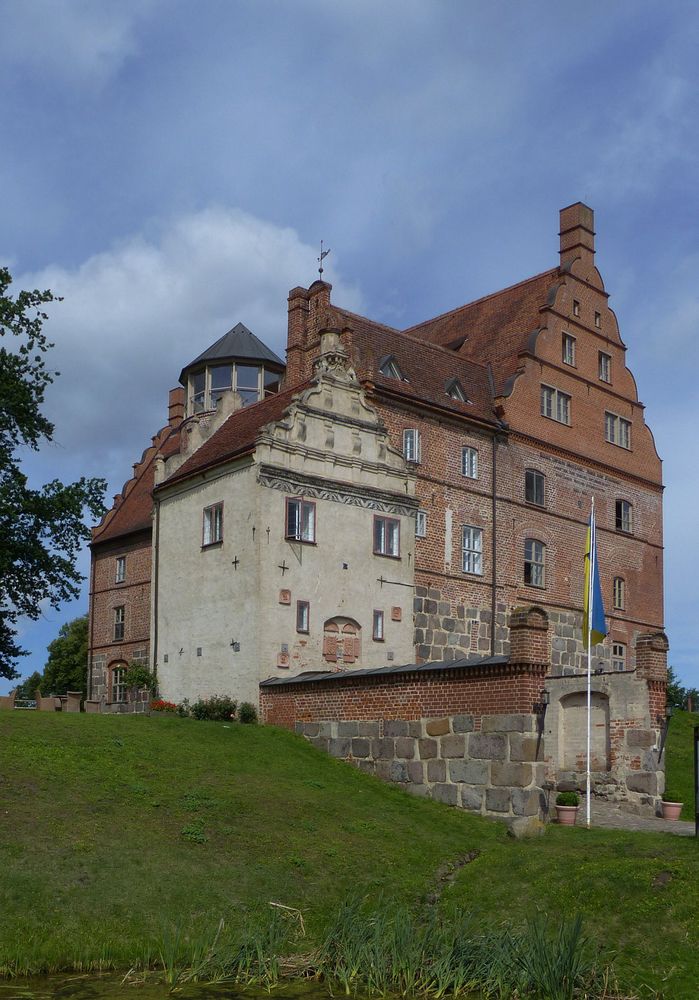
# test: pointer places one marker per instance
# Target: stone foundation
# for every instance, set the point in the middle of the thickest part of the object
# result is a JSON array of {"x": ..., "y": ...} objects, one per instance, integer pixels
[{"x": 497, "y": 771}]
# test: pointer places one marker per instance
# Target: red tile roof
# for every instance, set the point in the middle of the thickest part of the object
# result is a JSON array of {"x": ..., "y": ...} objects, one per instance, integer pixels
[
  {"x": 496, "y": 328},
  {"x": 237, "y": 434},
  {"x": 428, "y": 367}
]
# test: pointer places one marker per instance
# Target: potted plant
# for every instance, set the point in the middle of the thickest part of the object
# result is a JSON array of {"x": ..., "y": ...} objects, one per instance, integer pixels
[
  {"x": 567, "y": 808},
  {"x": 671, "y": 805}
]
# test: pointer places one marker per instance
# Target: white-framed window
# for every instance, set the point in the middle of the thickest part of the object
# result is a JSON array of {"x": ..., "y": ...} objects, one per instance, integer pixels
[
  {"x": 623, "y": 516},
  {"x": 386, "y": 536},
  {"x": 568, "y": 349},
  {"x": 303, "y": 616},
  {"x": 619, "y": 593},
  {"x": 617, "y": 430},
  {"x": 300, "y": 519},
  {"x": 456, "y": 391},
  {"x": 534, "y": 487},
  {"x": 120, "y": 573},
  {"x": 212, "y": 527},
  {"x": 389, "y": 368},
  {"x": 421, "y": 524},
  {"x": 618, "y": 656},
  {"x": 377, "y": 633},
  {"x": 534, "y": 563},
  {"x": 411, "y": 444},
  {"x": 119, "y": 622},
  {"x": 576, "y": 307},
  {"x": 471, "y": 549},
  {"x": 604, "y": 366},
  {"x": 118, "y": 685},
  {"x": 469, "y": 462},
  {"x": 555, "y": 404}
]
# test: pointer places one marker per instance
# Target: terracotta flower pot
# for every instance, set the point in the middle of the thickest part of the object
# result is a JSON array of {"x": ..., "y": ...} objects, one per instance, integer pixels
[
  {"x": 671, "y": 810},
  {"x": 567, "y": 815}
]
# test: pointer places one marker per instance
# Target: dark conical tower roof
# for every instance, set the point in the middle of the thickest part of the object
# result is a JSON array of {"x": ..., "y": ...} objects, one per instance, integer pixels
[{"x": 239, "y": 344}]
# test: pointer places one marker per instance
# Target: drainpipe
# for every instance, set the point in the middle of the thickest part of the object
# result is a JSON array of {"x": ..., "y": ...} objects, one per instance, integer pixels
[
  {"x": 494, "y": 575},
  {"x": 156, "y": 545},
  {"x": 92, "y": 625}
]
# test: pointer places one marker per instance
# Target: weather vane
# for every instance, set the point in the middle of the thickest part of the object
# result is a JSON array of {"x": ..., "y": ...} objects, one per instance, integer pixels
[{"x": 323, "y": 255}]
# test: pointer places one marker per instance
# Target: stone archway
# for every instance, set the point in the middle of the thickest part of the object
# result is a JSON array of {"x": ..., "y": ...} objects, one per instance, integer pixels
[{"x": 572, "y": 732}]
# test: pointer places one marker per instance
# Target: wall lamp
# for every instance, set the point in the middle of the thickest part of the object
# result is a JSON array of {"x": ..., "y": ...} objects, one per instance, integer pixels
[
  {"x": 235, "y": 645},
  {"x": 539, "y": 707}
]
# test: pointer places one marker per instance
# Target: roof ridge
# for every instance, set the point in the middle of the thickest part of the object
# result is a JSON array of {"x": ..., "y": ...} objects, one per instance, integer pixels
[{"x": 484, "y": 298}]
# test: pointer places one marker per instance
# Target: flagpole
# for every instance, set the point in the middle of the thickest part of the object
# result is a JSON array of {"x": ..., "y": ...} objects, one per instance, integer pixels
[{"x": 590, "y": 597}]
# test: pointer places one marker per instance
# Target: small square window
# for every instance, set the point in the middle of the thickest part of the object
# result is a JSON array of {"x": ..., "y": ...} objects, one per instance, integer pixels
[
  {"x": 534, "y": 487},
  {"x": 303, "y": 609},
  {"x": 623, "y": 519},
  {"x": 213, "y": 525},
  {"x": 604, "y": 367},
  {"x": 300, "y": 520},
  {"x": 568, "y": 349},
  {"x": 421, "y": 524},
  {"x": 471, "y": 550},
  {"x": 469, "y": 462},
  {"x": 198, "y": 650},
  {"x": 119, "y": 623},
  {"x": 387, "y": 536},
  {"x": 120, "y": 569},
  {"x": 618, "y": 656},
  {"x": 377, "y": 629},
  {"x": 411, "y": 445},
  {"x": 576, "y": 307},
  {"x": 598, "y": 320}
]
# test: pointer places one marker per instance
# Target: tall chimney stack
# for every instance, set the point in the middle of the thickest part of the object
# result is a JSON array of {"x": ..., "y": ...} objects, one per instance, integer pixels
[{"x": 577, "y": 234}]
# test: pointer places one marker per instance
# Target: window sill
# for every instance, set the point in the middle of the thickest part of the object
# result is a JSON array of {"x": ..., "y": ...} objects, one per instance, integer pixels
[
  {"x": 299, "y": 541},
  {"x": 615, "y": 444},
  {"x": 212, "y": 545},
  {"x": 533, "y": 503},
  {"x": 386, "y": 555},
  {"x": 468, "y": 572},
  {"x": 303, "y": 631},
  {"x": 374, "y": 639},
  {"x": 535, "y": 586},
  {"x": 563, "y": 423}
]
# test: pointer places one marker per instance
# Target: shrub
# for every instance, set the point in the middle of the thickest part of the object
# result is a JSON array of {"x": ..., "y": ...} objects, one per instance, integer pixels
[
  {"x": 218, "y": 708},
  {"x": 158, "y": 705},
  {"x": 139, "y": 676},
  {"x": 247, "y": 713},
  {"x": 567, "y": 799},
  {"x": 183, "y": 709},
  {"x": 670, "y": 796}
]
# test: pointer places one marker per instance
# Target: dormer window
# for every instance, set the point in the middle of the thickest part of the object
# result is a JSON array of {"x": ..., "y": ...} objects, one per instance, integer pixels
[
  {"x": 389, "y": 368},
  {"x": 456, "y": 391}
]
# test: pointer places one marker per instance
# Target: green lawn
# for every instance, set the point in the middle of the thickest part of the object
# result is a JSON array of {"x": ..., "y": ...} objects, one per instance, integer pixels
[
  {"x": 680, "y": 759},
  {"x": 114, "y": 830}
]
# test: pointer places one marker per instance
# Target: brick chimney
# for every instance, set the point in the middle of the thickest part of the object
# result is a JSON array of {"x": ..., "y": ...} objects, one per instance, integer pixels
[
  {"x": 577, "y": 234},
  {"x": 175, "y": 406}
]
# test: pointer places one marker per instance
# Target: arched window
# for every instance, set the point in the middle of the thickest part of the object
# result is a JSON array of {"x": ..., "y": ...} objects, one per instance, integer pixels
[
  {"x": 534, "y": 562},
  {"x": 619, "y": 593},
  {"x": 117, "y": 687}
]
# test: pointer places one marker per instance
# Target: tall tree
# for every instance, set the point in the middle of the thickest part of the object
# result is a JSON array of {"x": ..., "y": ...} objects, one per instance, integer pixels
[
  {"x": 41, "y": 531},
  {"x": 66, "y": 668}
]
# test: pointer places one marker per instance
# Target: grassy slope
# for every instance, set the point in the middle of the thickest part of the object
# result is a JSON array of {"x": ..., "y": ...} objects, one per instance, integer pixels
[
  {"x": 680, "y": 759},
  {"x": 95, "y": 863}
]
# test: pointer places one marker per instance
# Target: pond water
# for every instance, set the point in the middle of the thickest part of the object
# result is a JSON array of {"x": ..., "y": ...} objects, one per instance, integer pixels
[{"x": 112, "y": 987}]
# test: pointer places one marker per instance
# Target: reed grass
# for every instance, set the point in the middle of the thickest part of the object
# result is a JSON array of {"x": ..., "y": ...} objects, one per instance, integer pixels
[{"x": 387, "y": 950}]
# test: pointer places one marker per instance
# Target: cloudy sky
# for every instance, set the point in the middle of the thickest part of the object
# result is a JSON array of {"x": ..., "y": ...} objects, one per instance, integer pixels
[{"x": 170, "y": 168}]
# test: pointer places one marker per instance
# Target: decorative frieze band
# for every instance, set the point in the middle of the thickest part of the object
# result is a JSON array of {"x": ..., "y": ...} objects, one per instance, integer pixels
[{"x": 319, "y": 489}]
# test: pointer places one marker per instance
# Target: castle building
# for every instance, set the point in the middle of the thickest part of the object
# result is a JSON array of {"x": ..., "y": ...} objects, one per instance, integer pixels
[{"x": 388, "y": 497}]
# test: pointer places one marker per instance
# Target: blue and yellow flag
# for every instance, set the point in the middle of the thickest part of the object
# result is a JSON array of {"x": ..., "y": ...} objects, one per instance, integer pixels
[{"x": 593, "y": 605}]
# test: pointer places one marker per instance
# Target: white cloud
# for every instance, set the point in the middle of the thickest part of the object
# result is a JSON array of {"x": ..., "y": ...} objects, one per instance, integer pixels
[{"x": 133, "y": 316}]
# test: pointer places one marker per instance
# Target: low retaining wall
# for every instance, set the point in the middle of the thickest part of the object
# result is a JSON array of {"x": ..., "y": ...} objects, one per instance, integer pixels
[{"x": 497, "y": 770}]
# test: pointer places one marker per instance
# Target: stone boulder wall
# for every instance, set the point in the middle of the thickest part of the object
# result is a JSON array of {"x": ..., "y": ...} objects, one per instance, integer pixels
[{"x": 496, "y": 771}]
